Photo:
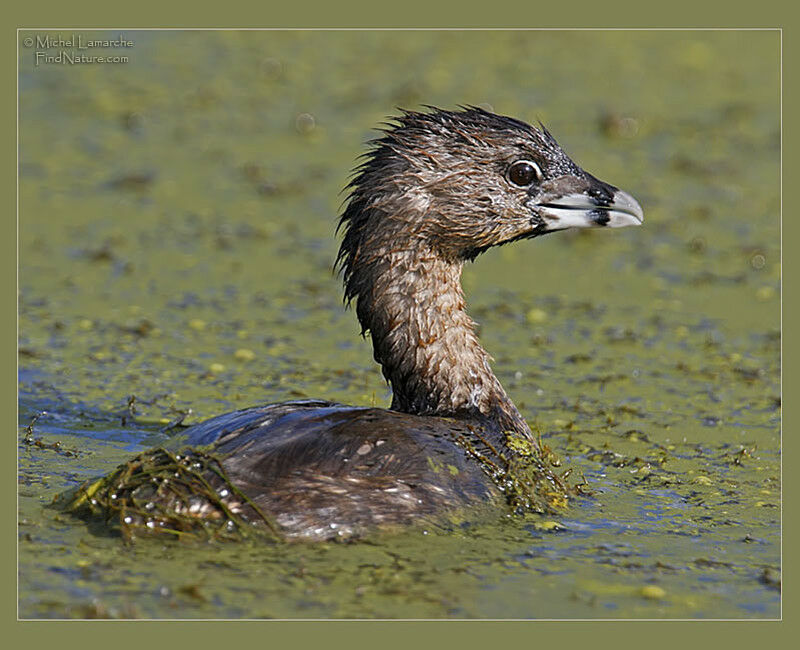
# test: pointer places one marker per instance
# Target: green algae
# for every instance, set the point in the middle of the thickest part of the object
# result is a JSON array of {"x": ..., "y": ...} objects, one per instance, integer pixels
[
  {"x": 524, "y": 474},
  {"x": 177, "y": 211},
  {"x": 159, "y": 492}
]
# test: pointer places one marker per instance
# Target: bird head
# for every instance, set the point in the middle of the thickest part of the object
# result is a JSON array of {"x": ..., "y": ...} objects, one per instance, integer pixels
[{"x": 460, "y": 182}]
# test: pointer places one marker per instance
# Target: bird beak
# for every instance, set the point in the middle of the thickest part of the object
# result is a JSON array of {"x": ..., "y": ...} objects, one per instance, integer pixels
[{"x": 573, "y": 202}]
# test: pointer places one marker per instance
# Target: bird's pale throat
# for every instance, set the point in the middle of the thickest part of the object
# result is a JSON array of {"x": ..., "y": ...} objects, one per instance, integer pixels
[{"x": 413, "y": 305}]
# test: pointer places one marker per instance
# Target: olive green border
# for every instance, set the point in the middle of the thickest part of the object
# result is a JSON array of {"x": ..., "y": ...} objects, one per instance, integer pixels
[{"x": 405, "y": 13}]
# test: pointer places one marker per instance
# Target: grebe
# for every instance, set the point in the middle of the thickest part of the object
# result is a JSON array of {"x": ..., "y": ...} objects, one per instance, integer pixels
[{"x": 435, "y": 190}]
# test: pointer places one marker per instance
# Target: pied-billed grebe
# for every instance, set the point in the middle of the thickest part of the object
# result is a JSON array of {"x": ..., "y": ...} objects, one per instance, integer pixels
[{"x": 435, "y": 190}]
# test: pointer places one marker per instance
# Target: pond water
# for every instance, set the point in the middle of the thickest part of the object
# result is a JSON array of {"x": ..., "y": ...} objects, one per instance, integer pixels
[{"x": 176, "y": 238}]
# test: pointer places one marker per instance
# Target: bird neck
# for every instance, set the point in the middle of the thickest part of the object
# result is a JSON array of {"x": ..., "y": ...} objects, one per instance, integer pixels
[{"x": 413, "y": 305}]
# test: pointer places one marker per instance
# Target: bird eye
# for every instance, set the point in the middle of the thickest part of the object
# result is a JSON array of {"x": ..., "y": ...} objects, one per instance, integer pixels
[{"x": 524, "y": 172}]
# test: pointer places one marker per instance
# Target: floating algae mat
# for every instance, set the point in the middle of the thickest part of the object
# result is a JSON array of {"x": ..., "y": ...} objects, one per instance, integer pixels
[{"x": 188, "y": 495}]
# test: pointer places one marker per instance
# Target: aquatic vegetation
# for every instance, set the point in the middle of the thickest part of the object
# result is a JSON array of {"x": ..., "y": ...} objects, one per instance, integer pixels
[{"x": 161, "y": 493}]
